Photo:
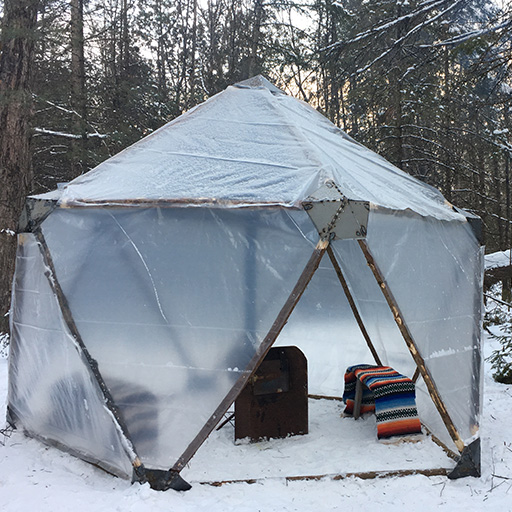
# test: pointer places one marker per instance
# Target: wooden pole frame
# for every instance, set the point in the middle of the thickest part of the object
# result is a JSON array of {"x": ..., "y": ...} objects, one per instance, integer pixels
[
  {"x": 210, "y": 202},
  {"x": 268, "y": 341},
  {"x": 352, "y": 305},
  {"x": 89, "y": 361},
  {"x": 406, "y": 334},
  {"x": 307, "y": 274}
]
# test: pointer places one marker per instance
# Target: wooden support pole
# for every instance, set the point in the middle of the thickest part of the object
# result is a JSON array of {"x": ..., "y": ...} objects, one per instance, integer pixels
[
  {"x": 261, "y": 352},
  {"x": 357, "y": 399},
  {"x": 418, "y": 359},
  {"x": 352, "y": 305},
  {"x": 89, "y": 361}
]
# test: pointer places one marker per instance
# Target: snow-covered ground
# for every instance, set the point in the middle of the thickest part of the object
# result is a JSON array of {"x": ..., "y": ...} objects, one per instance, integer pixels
[{"x": 36, "y": 477}]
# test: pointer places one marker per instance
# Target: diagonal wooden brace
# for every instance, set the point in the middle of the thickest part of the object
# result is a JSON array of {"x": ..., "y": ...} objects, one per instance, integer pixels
[
  {"x": 418, "y": 359},
  {"x": 270, "y": 338}
]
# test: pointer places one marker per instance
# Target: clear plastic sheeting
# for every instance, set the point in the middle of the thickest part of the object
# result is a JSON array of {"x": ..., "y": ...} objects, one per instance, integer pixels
[
  {"x": 323, "y": 327},
  {"x": 51, "y": 392},
  {"x": 434, "y": 271},
  {"x": 430, "y": 416},
  {"x": 173, "y": 304},
  {"x": 250, "y": 144},
  {"x": 177, "y": 255},
  {"x": 373, "y": 308}
]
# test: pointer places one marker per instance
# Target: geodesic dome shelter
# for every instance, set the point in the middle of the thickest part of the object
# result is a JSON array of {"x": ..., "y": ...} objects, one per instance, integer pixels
[{"x": 148, "y": 290}]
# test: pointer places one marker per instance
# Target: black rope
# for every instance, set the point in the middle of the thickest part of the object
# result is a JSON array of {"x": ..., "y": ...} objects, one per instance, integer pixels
[{"x": 6, "y": 433}]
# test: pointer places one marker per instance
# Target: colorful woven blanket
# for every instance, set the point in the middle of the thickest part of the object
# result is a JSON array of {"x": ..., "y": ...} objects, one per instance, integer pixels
[{"x": 391, "y": 395}]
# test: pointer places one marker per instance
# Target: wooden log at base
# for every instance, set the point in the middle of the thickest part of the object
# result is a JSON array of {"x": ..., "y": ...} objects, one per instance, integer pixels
[{"x": 364, "y": 475}]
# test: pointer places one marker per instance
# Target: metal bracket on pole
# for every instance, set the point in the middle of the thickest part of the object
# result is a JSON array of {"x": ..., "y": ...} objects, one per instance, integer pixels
[
  {"x": 468, "y": 463},
  {"x": 34, "y": 213},
  {"x": 475, "y": 223},
  {"x": 336, "y": 217}
]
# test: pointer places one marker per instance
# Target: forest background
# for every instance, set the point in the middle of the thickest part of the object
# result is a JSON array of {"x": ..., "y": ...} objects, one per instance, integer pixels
[{"x": 425, "y": 83}]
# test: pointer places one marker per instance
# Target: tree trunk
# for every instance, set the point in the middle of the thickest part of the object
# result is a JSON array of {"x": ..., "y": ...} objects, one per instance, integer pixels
[
  {"x": 78, "y": 100},
  {"x": 448, "y": 182},
  {"x": 253, "y": 66},
  {"x": 507, "y": 200},
  {"x": 161, "y": 55},
  {"x": 498, "y": 196},
  {"x": 397, "y": 99},
  {"x": 124, "y": 52},
  {"x": 192, "y": 77},
  {"x": 17, "y": 51}
]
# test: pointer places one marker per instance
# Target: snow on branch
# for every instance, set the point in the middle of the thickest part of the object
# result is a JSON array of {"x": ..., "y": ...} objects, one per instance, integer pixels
[
  {"x": 433, "y": 158},
  {"x": 461, "y": 38},
  {"x": 67, "y": 111},
  {"x": 58, "y": 107},
  {"x": 426, "y": 7},
  {"x": 44, "y": 131},
  {"x": 499, "y": 217},
  {"x": 413, "y": 30}
]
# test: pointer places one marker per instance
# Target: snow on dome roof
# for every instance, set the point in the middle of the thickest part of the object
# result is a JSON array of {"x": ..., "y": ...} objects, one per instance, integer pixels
[{"x": 252, "y": 144}]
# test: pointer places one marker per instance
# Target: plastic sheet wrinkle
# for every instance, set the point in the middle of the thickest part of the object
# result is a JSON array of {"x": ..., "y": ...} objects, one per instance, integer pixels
[
  {"x": 221, "y": 158},
  {"x": 141, "y": 257}
]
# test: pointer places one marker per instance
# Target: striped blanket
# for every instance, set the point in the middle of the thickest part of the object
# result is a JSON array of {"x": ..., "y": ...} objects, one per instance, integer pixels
[{"x": 391, "y": 395}]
